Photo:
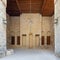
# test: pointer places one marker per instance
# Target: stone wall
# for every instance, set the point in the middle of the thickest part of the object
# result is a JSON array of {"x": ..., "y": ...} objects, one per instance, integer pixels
[
  {"x": 13, "y": 28},
  {"x": 57, "y": 27},
  {"x": 2, "y": 26},
  {"x": 44, "y": 26},
  {"x": 8, "y": 30}
]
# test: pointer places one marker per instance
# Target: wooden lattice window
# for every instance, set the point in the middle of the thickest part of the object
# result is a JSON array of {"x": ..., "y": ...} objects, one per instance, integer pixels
[
  {"x": 42, "y": 40},
  {"x": 18, "y": 40},
  {"x": 48, "y": 40},
  {"x": 12, "y": 40}
]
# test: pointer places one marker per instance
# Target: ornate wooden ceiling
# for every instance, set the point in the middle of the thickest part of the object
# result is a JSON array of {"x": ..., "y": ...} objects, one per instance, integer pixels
[{"x": 16, "y": 7}]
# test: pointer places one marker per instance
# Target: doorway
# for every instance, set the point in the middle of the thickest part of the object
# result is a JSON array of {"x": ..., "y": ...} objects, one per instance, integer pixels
[
  {"x": 24, "y": 40},
  {"x": 37, "y": 40}
]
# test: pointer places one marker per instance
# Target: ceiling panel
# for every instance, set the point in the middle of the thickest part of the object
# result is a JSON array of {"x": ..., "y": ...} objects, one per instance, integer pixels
[
  {"x": 44, "y": 7},
  {"x": 48, "y": 7},
  {"x": 36, "y": 1},
  {"x": 24, "y": 6},
  {"x": 24, "y": 1}
]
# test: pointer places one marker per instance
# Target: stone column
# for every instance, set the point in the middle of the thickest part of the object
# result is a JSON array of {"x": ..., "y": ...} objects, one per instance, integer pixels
[
  {"x": 57, "y": 27},
  {"x": 2, "y": 28},
  {"x": 57, "y": 36}
]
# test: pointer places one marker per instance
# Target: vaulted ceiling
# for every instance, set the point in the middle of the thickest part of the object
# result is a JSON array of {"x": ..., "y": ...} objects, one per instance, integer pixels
[{"x": 44, "y": 7}]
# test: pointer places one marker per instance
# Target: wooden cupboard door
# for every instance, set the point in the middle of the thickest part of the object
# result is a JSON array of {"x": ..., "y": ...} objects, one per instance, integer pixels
[
  {"x": 12, "y": 40},
  {"x": 18, "y": 40},
  {"x": 42, "y": 40},
  {"x": 48, "y": 40}
]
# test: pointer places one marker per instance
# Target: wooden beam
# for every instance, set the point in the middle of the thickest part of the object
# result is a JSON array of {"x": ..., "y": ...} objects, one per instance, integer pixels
[
  {"x": 44, "y": 3},
  {"x": 17, "y": 2},
  {"x": 48, "y": 8}
]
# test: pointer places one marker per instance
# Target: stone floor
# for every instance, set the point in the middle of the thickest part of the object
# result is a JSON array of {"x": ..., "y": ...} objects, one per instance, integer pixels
[{"x": 31, "y": 54}]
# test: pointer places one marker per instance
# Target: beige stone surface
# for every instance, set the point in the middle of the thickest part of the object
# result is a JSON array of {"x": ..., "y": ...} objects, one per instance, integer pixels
[
  {"x": 30, "y": 24},
  {"x": 57, "y": 27}
]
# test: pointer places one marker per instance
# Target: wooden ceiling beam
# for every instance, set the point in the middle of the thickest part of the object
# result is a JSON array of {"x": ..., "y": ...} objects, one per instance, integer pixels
[
  {"x": 48, "y": 7},
  {"x": 45, "y": 7},
  {"x": 44, "y": 3},
  {"x": 18, "y": 5}
]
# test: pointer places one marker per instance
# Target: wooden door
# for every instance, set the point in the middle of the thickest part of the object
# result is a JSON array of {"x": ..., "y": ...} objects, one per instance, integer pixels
[
  {"x": 12, "y": 40},
  {"x": 42, "y": 40},
  {"x": 48, "y": 40},
  {"x": 18, "y": 40}
]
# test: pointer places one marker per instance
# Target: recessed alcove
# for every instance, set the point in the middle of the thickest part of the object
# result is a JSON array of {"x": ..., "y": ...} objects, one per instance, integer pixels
[{"x": 24, "y": 37}]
